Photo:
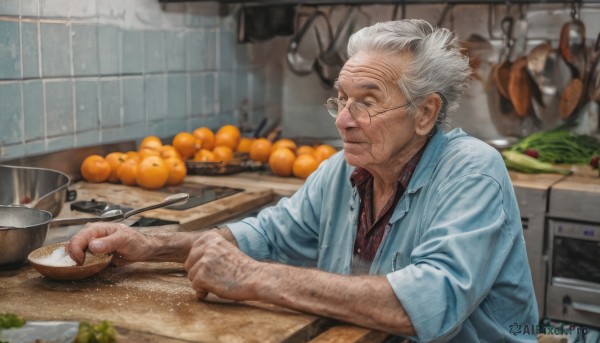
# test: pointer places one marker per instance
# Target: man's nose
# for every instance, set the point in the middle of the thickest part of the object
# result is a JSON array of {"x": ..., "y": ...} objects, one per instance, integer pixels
[{"x": 344, "y": 119}]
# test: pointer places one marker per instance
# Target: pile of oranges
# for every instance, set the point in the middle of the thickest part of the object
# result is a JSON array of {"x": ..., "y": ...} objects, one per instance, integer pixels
[
  {"x": 155, "y": 165},
  {"x": 285, "y": 158}
]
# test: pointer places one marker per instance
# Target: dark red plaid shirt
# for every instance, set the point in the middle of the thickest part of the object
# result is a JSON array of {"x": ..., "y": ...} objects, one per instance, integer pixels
[{"x": 370, "y": 228}]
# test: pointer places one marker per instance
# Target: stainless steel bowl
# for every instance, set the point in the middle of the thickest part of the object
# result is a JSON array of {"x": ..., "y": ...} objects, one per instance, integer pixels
[
  {"x": 22, "y": 230},
  {"x": 45, "y": 189}
]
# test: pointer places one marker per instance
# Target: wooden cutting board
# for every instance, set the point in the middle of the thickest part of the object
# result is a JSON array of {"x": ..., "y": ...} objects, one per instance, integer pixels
[
  {"x": 154, "y": 298},
  {"x": 198, "y": 217}
]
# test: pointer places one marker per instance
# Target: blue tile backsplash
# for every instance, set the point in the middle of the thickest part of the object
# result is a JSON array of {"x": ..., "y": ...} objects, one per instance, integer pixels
[
  {"x": 59, "y": 108},
  {"x": 11, "y": 125},
  {"x": 85, "y": 49},
  {"x": 56, "y": 50},
  {"x": 86, "y": 105},
  {"x": 33, "y": 110},
  {"x": 10, "y": 53},
  {"x": 96, "y": 72},
  {"x": 30, "y": 50},
  {"x": 110, "y": 103},
  {"x": 108, "y": 49}
]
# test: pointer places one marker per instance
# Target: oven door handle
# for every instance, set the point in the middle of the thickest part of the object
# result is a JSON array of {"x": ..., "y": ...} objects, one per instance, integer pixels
[{"x": 586, "y": 307}]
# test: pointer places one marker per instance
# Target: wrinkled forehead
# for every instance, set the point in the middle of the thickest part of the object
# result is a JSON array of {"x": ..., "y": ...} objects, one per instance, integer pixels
[{"x": 372, "y": 71}]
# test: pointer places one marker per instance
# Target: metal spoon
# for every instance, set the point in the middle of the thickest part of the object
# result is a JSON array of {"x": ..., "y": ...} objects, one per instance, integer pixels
[{"x": 117, "y": 215}]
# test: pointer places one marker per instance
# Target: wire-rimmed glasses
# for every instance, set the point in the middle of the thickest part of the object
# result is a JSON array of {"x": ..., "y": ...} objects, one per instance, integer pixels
[{"x": 359, "y": 111}]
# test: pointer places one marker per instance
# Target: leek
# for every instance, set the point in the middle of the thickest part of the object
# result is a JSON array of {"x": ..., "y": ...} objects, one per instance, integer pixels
[{"x": 526, "y": 164}]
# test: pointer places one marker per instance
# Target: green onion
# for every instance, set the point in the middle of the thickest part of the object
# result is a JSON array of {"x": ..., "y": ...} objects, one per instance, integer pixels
[{"x": 560, "y": 146}]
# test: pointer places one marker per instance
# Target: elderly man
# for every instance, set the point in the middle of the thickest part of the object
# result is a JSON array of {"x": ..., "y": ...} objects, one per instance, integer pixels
[{"x": 412, "y": 230}]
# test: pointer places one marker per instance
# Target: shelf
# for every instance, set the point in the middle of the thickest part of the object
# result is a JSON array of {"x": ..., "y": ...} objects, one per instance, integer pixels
[{"x": 380, "y": 2}]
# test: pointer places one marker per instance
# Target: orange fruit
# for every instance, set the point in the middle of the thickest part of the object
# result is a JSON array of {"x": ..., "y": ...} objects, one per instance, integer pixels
[
  {"x": 281, "y": 162},
  {"x": 244, "y": 145},
  {"x": 152, "y": 173},
  {"x": 204, "y": 155},
  {"x": 226, "y": 139},
  {"x": 232, "y": 130},
  {"x": 284, "y": 143},
  {"x": 207, "y": 136},
  {"x": 115, "y": 159},
  {"x": 168, "y": 152},
  {"x": 228, "y": 135},
  {"x": 95, "y": 169},
  {"x": 260, "y": 149},
  {"x": 177, "y": 171},
  {"x": 223, "y": 153},
  {"x": 127, "y": 172},
  {"x": 305, "y": 149},
  {"x": 133, "y": 154},
  {"x": 145, "y": 152},
  {"x": 304, "y": 165},
  {"x": 323, "y": 152},
  {"x": 186, "y": 144},
  {"x": 151, "y": 142}
]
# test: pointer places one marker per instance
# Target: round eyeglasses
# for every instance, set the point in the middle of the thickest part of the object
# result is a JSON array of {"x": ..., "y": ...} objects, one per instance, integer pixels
[{"x": 359, "y": 111}]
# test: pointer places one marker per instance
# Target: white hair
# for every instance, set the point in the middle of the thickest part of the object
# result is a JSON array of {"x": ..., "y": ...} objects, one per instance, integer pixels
[{"x": 436, "y": 66}]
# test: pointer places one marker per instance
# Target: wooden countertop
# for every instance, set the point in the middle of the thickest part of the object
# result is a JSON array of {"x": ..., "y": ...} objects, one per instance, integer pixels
[
  {"x": 154, "y": 298},
  {"x": 153, "y": 302}
]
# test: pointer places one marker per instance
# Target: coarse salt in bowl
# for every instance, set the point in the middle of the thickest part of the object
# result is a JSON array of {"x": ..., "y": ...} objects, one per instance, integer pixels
[
  {"x": 58, "y": 258},
  {"x": 53, "y": 262}
]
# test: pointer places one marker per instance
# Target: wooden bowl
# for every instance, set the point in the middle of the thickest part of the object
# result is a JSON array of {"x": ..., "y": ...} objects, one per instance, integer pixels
[{"x": 92, "y": 266}]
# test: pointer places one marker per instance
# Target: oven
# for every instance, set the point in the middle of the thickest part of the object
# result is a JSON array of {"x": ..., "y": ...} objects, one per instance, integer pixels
[
  {"x": 573, "y": 251},
  {"x": 573, "y": 293}
]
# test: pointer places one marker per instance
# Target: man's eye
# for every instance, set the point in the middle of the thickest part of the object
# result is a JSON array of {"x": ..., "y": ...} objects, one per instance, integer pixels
[{"x": 368, "y": 104}]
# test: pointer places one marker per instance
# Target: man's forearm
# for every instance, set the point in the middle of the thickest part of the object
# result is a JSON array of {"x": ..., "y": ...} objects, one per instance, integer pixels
[
  {"x": 363, "y": 300},
  {"x": 175, "y": 246}
]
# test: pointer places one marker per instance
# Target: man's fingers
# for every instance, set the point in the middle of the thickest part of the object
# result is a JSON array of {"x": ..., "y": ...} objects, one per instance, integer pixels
[
  {"x": 201, "y": 295},
  {"x": 79, "y": 243}
]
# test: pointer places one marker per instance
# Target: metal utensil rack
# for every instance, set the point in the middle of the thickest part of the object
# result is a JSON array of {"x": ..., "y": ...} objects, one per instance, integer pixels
[{"x": 382, "y": 2}]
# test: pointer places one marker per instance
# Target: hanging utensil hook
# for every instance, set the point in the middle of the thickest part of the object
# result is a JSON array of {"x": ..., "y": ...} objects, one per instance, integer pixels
[
  {"x": 445, "y": 12},
  {"x": 575, "y": 9}
]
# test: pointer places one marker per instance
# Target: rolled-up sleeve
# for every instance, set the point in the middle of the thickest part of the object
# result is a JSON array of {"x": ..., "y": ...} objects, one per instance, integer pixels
[{"x": 458, "y": 258}]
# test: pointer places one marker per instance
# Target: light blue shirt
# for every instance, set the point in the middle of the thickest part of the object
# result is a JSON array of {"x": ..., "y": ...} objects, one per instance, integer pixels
[{"x": 453, "y": 251}]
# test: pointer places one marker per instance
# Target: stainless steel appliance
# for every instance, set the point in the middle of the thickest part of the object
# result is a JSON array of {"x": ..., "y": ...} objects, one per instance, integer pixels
[
  {"x": 532, "y": 193},
  {"x": 573, "y": 288}
]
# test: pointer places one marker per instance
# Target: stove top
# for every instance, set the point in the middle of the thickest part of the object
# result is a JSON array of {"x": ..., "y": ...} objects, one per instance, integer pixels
[{"x": 199, "y": 194}]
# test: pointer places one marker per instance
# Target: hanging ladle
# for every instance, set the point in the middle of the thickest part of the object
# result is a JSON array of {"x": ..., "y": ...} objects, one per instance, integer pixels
[
  {"x": 572, "y": 43},
  {"x": 501, "y": 71},
  {"x": 593, "y": 81},
  {"x": 299, "y": 64}
]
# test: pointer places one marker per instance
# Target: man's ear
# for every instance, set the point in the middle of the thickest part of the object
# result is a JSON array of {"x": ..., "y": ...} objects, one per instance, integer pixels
[{"x": 430, "y": 110}]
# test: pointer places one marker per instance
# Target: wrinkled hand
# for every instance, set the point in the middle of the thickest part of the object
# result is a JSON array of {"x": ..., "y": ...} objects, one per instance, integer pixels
[
  {"x": 217, "y": 266},
  {"x": 127, "y": 244}
]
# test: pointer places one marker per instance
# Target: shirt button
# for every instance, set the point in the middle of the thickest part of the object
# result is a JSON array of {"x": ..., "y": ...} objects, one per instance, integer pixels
[
  {"x": 351, "y": 207},
  {"x": 359, "y": 251}
]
